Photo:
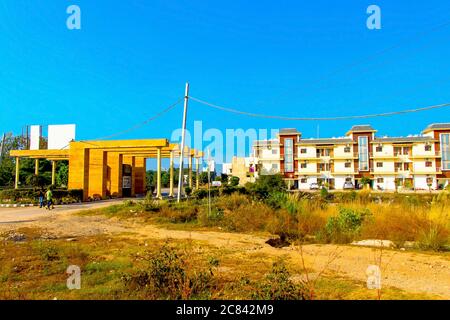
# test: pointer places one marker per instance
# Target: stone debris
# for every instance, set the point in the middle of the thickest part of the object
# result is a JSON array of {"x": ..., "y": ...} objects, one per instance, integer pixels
[
  {"x": 374, "y": 243},
  {"x": 15, "y": 237}
]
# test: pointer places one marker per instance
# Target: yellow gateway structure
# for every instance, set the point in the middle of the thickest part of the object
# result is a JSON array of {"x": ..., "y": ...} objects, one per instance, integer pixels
[{"x": 112, "y": 168}]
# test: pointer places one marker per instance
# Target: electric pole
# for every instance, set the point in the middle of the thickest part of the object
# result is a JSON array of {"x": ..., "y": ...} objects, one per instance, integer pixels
[
  {"x": 183, "y": 134},
  {"x": 2, "y": 147},
  {"x": 209, "y": 181}
]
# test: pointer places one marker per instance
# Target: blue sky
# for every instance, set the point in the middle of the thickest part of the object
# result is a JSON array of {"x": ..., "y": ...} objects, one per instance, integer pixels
[{"x": 131, "y": 59}]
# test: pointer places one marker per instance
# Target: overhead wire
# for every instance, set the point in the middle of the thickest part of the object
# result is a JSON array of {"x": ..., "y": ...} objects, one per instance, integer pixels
[{"x": 286, "y": 118}]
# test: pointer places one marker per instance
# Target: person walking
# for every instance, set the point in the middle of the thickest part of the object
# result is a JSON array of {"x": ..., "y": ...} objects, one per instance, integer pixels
[
  {"x": 41, "y": 198},
  {"x": 49, "y": 196}
]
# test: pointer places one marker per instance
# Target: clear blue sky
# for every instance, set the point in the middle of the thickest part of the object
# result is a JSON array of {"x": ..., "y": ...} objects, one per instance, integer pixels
[{"x": 132, "y": 58}]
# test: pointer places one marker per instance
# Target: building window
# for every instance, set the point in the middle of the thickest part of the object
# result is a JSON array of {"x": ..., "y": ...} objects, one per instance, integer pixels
[
  {"x": 428, "y": 147},
  {"x": 274, "y": 166},
  {"x": 363, "y": 147},
  {"x": 347, "y": 150},
  {"x": 289, "y": 155},
  {"x": 379, "y": 164},
  {"x": 303, "y": 150},
  {"x": 380, "y": 180},
  {"x": 428, "y": 164},
  {"x": 445, "y": 150},
  {"x": 429, "y": 181},
  {"x": 304, "y": 180},
  {"x": 274, "y": 151},
  {"x": 379, "y": 149},
  {"x": 304, "y": 165},
  {"x": 348, "y": 164}
]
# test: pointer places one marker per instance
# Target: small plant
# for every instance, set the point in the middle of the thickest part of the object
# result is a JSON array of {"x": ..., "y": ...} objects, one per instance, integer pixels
[
  {"x": 277, "y": 285},
  {"x": 188, "y": 191},
  {"x": 234, "y": 181},
  {"x": 168, "y": 276},
  {"x": 346, "y": 226}
]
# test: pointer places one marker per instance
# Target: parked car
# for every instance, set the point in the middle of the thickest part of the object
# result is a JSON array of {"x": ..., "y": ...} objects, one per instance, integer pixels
[
  {"x": 314, "y": 186},
  {"x": 348, "y": 185}
]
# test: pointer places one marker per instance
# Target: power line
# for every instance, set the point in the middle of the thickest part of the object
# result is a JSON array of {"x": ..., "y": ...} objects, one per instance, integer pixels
[
  {"x": 143, "y": 123},
  {"x": 259, "y": 115}
]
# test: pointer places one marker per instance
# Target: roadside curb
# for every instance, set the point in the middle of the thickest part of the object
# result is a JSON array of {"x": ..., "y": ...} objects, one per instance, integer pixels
[{"x": 15, "y": 205}]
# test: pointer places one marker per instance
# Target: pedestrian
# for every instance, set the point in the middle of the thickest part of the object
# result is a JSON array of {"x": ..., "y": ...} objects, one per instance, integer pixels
[
  {"x": 49, "y": 196},
  {"x": 41, "y": 198}
]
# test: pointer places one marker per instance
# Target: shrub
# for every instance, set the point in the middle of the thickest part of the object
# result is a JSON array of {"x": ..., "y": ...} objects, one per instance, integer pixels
[
  {"x": 265, "y": 185},
  {"x": 346, "y": 226},
  {"x": 188, "y": 191},
  {"x": 150, "y": 204},
  {"x": 277, "y": 285},
  {"x": 166, "y": 276},
  {"x": 434, "y": 238},
  {"x": 200, "y": 194},
  {"x": 180, "y": 212},
  {"x": 234, "y": 181}
]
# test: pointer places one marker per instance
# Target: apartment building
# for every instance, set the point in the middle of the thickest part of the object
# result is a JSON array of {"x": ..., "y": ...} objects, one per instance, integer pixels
[{"x": 415, "y": 162}]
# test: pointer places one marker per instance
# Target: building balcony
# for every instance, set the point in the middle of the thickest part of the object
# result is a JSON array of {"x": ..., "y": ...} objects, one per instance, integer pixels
[{"x": 426, "y": 155}]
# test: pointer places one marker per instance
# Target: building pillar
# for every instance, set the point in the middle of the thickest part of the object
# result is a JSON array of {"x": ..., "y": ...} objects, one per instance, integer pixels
[
  {"x": 114, "y": 162},
  {"x": 16, "y": 184},
  {"x": 139, "y": 175},
  {"x": 158, "y": 173},
  {"x": 53, "y": 172},
  {"x": 97, "y": 173},
  {"x": 36, "y": 167},
  {"x": 190, "y": 170},
  {"x": 171, "y": 175},
  {"x": 131, "y": 161},
  {"x": 197, "y": 173},
  {"x": 79, "y": 168}
]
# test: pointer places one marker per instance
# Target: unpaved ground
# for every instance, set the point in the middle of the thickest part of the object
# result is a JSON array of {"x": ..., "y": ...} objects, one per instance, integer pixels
[{"x": 410, "y": 271}]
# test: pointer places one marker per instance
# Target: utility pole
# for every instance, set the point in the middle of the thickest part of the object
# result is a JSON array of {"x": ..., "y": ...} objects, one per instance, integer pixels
[
  {"x": 209, "y": 181},
  {"x": 2, "y": 147},
  {"x": 183, "y": 134}
]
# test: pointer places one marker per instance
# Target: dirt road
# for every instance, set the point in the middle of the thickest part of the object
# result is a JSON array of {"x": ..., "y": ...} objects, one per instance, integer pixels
[{"x": 410, "y": 271}]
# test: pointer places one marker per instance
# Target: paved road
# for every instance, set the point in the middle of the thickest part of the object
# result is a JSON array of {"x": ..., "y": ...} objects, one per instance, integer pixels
[{"x": 30, "y": 214}]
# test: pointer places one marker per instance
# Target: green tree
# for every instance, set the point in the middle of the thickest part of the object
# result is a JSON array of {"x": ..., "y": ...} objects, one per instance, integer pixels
[
  {"x": 62, "y": 173},
  {"x": 234, "y": 181}
]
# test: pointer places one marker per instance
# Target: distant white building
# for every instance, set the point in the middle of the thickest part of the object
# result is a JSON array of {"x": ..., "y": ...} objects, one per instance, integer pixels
[{"x": 420, "y": 162}]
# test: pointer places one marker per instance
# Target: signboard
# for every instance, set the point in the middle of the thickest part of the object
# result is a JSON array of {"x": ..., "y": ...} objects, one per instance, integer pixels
[
  {"x": 35, "y": 137},
  {"x": 216, "y": 184},
  {"x": 126, "y": 182},
  {"x": 59, "y": 136}
]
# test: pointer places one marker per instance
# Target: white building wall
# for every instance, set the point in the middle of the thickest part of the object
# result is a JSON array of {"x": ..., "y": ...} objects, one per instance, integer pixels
[
  {"x": 270, "y": 167},
  {"x": 388, "y": 184},
  {"x": 306, "y": 186},
  {"x": 421, "y": 168},
  {"x": 339, "y": 182},
  {"x": 387, "y": 151},
  {"x": 339, "y": 151},
  {"x": 420, "y": 182},
  {"x": 339, "y": 167},
  {"x": 310, "y": 152},
  {"x": 388, "y": 166},
  {"x": 311, "y": 167},
  {"x": 419, "y": 150}
]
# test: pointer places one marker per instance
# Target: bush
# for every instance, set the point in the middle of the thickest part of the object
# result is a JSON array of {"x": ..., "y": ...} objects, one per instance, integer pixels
[
  {"x": 188, "y": 191},
  {"x": 346, "y": 226},
  {"x": 234, "y": 181},
  {"x": 180, "y": 212},
  {"x": 266, "y": 185},
  {"x": 200, "y": 194},
  {"x": 277, "y": 285},
  {"x": 434, "y": 238},
  {"x": 166, "y": 276}
]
